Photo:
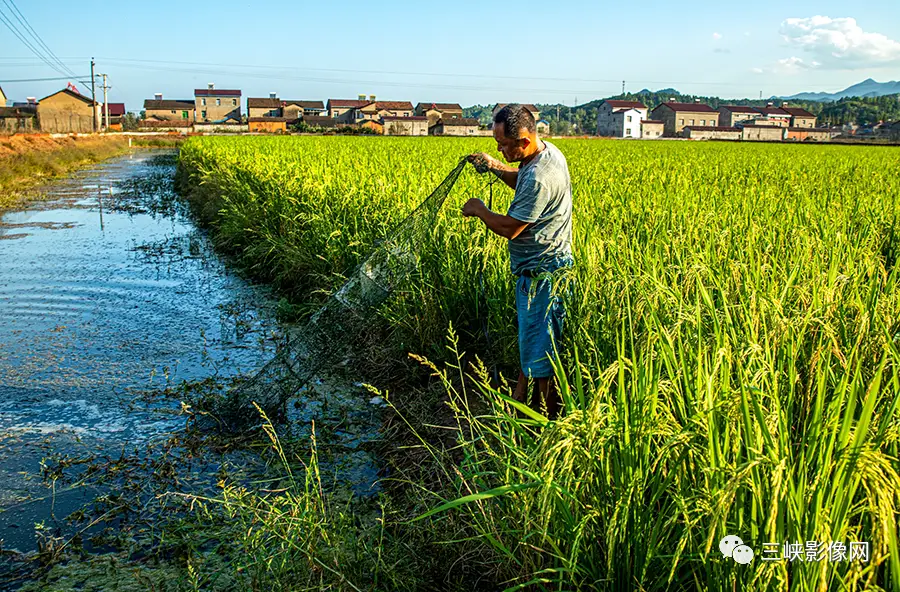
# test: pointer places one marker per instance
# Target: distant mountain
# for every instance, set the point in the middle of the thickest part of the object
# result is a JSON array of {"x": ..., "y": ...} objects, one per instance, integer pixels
[{"x": 866, "y": 88}]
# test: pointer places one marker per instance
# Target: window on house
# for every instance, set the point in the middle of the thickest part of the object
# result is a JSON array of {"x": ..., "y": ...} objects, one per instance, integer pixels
[
  {"x": 234, "y": 102},
  {"x": 692, "y": 122},
  {"x": 629, "y": 119},
  {"x": 184, "y": 115},
  {"x": 680, "y": 122},
  {"x": 702, "y": 122},
  {"x": 628, "y": 132},
  {"x": 218, "y": 102},
  {"x": 203, "y": 102},
  {"x": 203, "y": 114},
  {"x": 173, "y": 111}
]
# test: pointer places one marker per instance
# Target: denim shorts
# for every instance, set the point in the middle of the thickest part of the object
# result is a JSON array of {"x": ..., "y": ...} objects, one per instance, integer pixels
[{"x": 540, "y": 316}]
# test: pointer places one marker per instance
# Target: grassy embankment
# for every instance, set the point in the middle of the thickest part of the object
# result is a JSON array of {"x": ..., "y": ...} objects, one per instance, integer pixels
[
  {"x": 731, "y": 367},
  {"x": 27, "y": 161}
]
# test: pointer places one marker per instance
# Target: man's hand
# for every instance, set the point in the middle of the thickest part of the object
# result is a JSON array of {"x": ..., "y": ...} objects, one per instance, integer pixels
[
  {"x": 482, "y": 162},
  {"x": 473, "y": 207}
]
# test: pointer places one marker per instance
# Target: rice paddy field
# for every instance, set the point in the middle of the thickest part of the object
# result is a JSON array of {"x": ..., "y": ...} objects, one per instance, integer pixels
[{"x": 730, "y": 365}]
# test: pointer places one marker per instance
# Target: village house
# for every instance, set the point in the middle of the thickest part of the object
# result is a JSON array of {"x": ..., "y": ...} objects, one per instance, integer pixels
[
  {"x": 543, "y": 127},
  {"x": 731, "y": 115},
  {"x": 16, "y": 120},
  {"x": 378, "y": 109},
  {"x": 676, "y": 116},
  {"x": 763, "y": 133},
  {"x": 320, "y": 121},
  {"x": 116, "y": 112},
  {"x": 302, "y": 109},
  {"x": 455, "y": 127},
  {"x": 712, "y": 133},
  {"x": 770, "y": 115},
  {"x": 800, "y": 117},
  {"x": 2, "y": 98},
  {"x": 375, "y": 126},
  {"x": 343, "y": 110},
  {"x": 264, "y": 107},
  {"x": 67, "y": 111},
  {"x": 650, "y": 129},
  {"x": 436, "y": 111},
  {"x": 405, "y": 126},
  {"x": 808, "y": 134},
  {"x": 159, "y": 109},
  {"x": 268, "y": 125},
  {"x": 217, "y": 105},
  {"x": 620, "y": 119}
]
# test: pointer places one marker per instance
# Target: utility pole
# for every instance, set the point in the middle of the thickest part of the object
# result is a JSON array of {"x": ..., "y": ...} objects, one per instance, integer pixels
[
  {"x": 93, "y": 100},
  {"x": 623, "y": 87},
  {"x": 105, "y": 105}
]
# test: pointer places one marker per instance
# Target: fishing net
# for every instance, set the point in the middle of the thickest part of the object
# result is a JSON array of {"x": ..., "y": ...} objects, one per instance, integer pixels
[{"x": 325, "y": 339}]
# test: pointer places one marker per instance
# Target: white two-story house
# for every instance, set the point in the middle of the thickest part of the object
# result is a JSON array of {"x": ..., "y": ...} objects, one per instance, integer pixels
[{"x": 620, "y": 119}]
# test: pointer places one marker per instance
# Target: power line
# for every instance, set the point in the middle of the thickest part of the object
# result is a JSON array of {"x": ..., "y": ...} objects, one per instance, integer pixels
[
  {"x": 14, "y": 10},
  {"x": 14, "y": 30},
  {"x": 50, "y": 59},
  {"x": 490, "y": 76},
  {"x": 43, "y": 79}
]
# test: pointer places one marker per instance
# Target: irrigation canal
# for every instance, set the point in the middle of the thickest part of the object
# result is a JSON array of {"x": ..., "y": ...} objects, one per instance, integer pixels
[{"x": 108, "y": 292}]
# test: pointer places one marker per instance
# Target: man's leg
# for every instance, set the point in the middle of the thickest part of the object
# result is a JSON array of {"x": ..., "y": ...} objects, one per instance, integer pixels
[{"x": 521, "y": 393}]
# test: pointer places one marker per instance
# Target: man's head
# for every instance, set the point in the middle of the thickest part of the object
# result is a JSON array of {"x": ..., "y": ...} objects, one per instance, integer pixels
[{"x": 515, "y": 132}]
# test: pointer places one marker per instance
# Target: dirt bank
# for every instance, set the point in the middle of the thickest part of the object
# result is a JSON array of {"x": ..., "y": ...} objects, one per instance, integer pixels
[{"x": 28, "y": 160}]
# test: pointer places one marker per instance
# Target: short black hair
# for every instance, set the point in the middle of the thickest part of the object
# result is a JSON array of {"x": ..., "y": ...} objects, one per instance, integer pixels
[{"x": 515, "y": 118}]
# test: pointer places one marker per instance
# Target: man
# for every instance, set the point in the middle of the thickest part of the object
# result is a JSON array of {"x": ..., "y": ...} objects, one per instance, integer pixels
[{"x": 538, "y": 226}]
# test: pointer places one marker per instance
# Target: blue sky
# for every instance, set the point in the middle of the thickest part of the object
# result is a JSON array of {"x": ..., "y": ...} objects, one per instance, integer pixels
[{"x": 467, "y": 52}]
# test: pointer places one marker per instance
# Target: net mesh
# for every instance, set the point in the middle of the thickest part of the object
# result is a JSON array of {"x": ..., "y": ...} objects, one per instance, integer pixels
[{"x": 324, "y": 340}]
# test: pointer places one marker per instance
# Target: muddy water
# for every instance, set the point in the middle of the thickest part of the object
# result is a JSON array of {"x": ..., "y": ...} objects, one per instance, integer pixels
[{"x": 108, "y": 290}]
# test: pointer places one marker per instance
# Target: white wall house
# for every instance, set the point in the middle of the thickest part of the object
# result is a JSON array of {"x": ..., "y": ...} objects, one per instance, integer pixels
[{"x": 620, "y": 119}]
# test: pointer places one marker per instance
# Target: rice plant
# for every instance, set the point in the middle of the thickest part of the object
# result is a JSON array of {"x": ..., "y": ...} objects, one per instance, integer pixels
[{"x": 730, "y": 364}]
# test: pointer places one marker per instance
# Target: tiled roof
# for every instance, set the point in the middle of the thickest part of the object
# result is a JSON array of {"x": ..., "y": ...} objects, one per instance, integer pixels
[
  {"x": 459, "y": 121},
  {"x": 738, "y": 108},
  {"x": 215, "y": 92},
  {"x": 688, "y": 107},
  {"x": 394, "y": 105},
  {"x": 76, "y": 95},
  {"x": 15, "y": 113},
  {"x": 626, "y": 104},
  {"x": 820, "y": 130},
  {"x": 305, "y": 104},
  {"x": 153, "y": 104},
  {"x": 440, "y": 106},
  {"x": 116, "y": 109},
  {"x": 261, "y": 119},
  {"x": 711, "y": 128},
  {"x": 772, "y": 111},
  {"x": 755, "y": 126},
  {"x": 346, "y": 103},
  {"x": 263, "y": 103},
  {"x": 798, "y": 112},
  {"x": 653, "y": 121},
  {"x": 319, "y": 121},
  {"x": 411, "y": 118}
]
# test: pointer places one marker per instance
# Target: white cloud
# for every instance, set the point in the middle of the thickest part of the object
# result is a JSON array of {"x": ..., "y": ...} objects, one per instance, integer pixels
[
  {"x": 717, "y": 36},
  {"x": 757, "y": 70},
  {"x": 836, "y": 43}
]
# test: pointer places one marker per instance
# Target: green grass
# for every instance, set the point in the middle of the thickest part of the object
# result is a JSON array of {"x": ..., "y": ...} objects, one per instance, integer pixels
[{"x": 731, "y": 363}]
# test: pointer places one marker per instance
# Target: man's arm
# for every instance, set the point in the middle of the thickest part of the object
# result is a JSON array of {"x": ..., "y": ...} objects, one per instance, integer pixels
[
  {"x": 505, "y": 226},
  {"x": 484, "y": 163}
]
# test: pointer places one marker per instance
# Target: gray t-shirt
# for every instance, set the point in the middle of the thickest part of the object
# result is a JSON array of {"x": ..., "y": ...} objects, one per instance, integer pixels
[{"x": 543, "y": 199}]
